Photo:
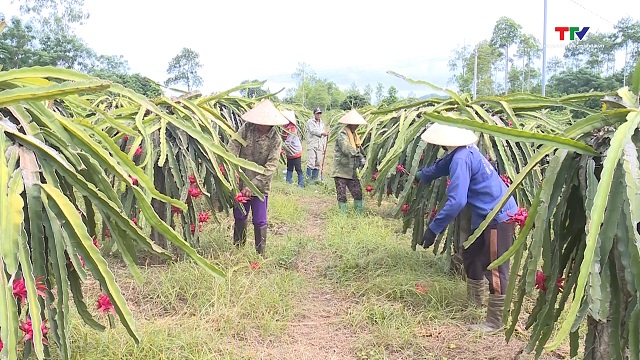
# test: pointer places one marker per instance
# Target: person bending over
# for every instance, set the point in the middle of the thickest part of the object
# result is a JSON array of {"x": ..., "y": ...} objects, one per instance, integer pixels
[{"x": 474, "y": 181}]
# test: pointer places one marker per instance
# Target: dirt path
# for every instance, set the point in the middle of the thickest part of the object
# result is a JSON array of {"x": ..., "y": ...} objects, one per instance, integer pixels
[
  {"x": 318, "y": 332},
  {"x": 321, "y": 332}
]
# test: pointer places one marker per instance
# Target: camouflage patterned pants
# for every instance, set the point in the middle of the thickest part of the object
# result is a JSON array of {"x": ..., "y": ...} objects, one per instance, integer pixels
[{"x": 354, "y": 186}]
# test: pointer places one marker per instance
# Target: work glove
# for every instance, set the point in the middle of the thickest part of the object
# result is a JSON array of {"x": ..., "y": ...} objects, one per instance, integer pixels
[
  {"x": 428, "y": 238},
  {"x": 359, "y": 160},
  {"x": 416, "y": 179},
  {"x": 362, "y": 161}
]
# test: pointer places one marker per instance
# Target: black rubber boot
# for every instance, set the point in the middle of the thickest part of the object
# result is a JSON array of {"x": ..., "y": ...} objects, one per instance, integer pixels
[
  {"x": 239, "y": 233},
  {"x": 261, "y": 238}
]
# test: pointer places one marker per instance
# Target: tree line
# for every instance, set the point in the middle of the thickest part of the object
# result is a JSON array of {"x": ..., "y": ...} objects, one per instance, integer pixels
[
  {"x": 508, "y": 60},
  {"x": 29, "y": 41},
  {"x": 42, "y": 36},
  {"x": 313, "y": 91}
]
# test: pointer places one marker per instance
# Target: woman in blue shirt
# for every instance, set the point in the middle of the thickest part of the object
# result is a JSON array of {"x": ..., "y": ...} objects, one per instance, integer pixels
[{"x": 475, "y": 182}]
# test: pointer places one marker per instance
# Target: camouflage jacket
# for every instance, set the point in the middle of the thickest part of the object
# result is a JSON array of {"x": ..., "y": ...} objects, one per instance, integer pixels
[
  {"x": 263, "y": 150},
  {"x": 344, "y": 158}
]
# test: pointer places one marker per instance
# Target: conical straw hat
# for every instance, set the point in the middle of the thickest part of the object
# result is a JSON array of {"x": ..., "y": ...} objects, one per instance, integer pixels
[
  {"x": 352, "y": 118},
  {"x": 445, "y": 135},
  {"x": 265, "y": 113},
  {"x": 290, "y": 115}
]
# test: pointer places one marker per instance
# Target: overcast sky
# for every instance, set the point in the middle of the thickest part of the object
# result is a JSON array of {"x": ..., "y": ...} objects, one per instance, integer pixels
[{"x": 344, "y": 41}]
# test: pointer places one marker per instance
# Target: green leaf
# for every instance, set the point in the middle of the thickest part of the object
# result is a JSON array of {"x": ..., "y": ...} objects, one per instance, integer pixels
[
  {"x": 59, "y": 315},
  {"x": 596, "y": 121},
  {"x": 538, "y": 118},
  {"x": 401, "y": 107},
  {"x": 106, "y": 205},
  {"x": 16, "y": 228},
  {"x": 76, "y": 289},
  {"x": 8, "y": 316},
  {"x": 32, "y": 295},
  {"x": 222, "y": 94},
  {"x": 145, "y": 137},
  {"x": 14, "y": 96},
  {"x": 31, "y": 176},
  {"x": 453, "y": 95},
  {"x": 73, "y": 225},
  {"x": 119, "y": 164},
  {"x": 164, "y": 149},
  {"x": 533, "y": 162},
  {"x": 522, "y": 235},
  {"x": 560, "y": 169},
  {"x": 511, "y": 115},
  {"x": 631, "y": 168},
  {"x": 191, "y": 129},
  {"x": 172, "y": 236},
  {"x": 82, "y": 103},
  {"x": 583, "y": 126},
  {"x": 513, "y": 134},
  {"x": 620, "y": 138},
  {"x": 635, "y": 82},
  {"x": 44, "y": 72},
  {"x": 598, "y": 292},
  {"x": 629, "y": 99},
  {"x": 581, "y": 97},
  {"x": 200, "y": 112},
  {"x": 11, "y": 205}
]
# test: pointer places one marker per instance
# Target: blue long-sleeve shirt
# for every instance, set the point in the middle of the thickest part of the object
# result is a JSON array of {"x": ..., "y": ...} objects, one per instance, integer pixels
[{"x": 473, "y": 181}]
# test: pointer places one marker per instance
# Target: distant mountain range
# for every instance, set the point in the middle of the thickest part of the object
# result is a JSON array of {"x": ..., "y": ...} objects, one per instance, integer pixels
[{"x": 429, "y": 96}]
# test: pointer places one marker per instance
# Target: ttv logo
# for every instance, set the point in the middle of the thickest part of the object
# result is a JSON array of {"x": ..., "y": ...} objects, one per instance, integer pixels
[{"x": 573, "y": 31}]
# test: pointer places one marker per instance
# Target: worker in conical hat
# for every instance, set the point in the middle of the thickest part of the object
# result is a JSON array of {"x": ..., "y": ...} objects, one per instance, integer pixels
[
  {"x": 475, "y": 182},
  {"x": 348, "y": 157},
  {"x": 263, "y": 145}
]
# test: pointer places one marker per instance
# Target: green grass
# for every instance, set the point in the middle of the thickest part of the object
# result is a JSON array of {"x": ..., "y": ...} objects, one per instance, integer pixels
[
  {"x": 371, "y": 261},
  {"x": 182, "y": 313}
]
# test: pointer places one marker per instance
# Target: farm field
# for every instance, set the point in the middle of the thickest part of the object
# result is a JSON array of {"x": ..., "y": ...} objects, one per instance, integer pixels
[
  {"x": 332, "y": 286},
  {"x": 120, "y": 173}
]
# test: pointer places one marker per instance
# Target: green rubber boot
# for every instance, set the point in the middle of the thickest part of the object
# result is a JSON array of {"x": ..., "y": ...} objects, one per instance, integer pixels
[
  {"x": 475, "y": 291},
  {"x": 359, "y": 206},
  {"x": 493, "y": 321},
  {"x": 342, "y": 206}
]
